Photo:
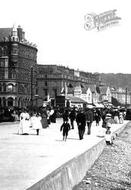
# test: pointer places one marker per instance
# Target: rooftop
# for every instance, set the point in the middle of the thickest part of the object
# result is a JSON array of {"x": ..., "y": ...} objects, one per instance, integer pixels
[{"x": 5, "y": 33}]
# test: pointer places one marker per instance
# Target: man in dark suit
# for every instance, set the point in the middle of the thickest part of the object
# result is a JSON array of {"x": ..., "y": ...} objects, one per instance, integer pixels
[
  {"x": 81, "y": 123},
  {"x": 72, "y": 117},
  {"x": 89, "y": 119}
]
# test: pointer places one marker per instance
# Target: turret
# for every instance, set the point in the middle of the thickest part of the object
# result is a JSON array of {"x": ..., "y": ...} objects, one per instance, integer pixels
[
  {"x": 14, "y": 36},
  {"x": 14, "y": 46}
]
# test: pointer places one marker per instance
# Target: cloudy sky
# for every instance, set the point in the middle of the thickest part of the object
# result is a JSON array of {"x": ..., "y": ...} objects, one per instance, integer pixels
[{"x": 57, "y": 27}]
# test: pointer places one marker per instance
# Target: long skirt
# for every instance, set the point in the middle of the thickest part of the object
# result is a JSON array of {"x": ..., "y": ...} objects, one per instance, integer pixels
[
  {"x": 44, "y": 122},
  {"x": 116, "y": 119},
  {"x": 24, "y": 127}
]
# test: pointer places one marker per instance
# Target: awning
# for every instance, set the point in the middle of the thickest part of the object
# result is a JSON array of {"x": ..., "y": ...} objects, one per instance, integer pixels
[
  {"x": 99, "y": 105},
  {"x": 75, "y": 99},
  {"x": 90, "y": 106}
]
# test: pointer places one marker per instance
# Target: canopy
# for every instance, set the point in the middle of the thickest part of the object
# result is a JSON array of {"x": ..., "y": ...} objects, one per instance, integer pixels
[
  {"x": 90, "y": 106},
  {"x": 99, "y": 105}
]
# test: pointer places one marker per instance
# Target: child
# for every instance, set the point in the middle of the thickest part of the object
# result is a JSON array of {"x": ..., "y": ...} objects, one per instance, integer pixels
[
  {"x": 36, "y": 122},
  {"x": 65, "y": 127},
  {"x": 108, "y": 136},
  {"x": 121, "y": 118}
]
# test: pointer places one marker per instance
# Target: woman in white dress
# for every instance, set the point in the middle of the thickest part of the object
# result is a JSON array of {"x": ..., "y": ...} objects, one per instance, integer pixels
[
  {"x": 24, "y": 124},
  {"x": 36, "y": 122}
]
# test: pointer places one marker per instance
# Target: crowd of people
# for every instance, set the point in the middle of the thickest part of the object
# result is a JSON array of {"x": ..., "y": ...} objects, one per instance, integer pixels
[
  {"x": 36, "y": 119},
  {"x": 84, "y": 117}
]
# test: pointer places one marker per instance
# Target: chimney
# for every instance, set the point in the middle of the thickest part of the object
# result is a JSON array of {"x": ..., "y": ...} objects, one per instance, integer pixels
[{"x": 20, "y": 32}]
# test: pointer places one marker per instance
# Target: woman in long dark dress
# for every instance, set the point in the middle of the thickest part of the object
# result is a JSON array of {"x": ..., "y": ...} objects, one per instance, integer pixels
[{"x": 44, "y": 117}]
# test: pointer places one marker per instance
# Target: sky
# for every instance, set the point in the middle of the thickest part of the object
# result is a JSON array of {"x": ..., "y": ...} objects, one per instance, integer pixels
[{"x": 57, "y": 28}]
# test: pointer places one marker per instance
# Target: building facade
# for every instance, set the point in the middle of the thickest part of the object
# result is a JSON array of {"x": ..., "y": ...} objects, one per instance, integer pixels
[
  {"x": 18, "y": 63},
  {"x": 105, "y": 94},
  {"x": 53, "y": 80},
  {"x": 123, "y": 96},
  {"x": 23, "y": 82}
]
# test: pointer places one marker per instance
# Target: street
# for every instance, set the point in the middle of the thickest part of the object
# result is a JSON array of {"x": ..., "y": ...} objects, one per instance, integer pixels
[{"x": 25, "y": 159}]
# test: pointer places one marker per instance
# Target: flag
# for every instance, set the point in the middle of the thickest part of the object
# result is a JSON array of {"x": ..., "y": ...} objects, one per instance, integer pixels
[
  {"x": 48, "y": 97},
  {"x": 62, "y": 90}
]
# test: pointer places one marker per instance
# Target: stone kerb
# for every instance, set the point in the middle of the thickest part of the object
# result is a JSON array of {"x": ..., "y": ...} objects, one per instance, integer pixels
[
  {"x": 72, "y": 172},
  {"x": 119, "y": 130}
]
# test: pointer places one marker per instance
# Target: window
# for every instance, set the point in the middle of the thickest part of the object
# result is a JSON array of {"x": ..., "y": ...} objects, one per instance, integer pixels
[
  {"x": 2, "y": 62},
  {"x": 46, "y": 92},
  {"x": 45, "y": 83},
  {"x": 55, "y": 92},
  {"x": 12, "y": 73},
  {"x": 1, "y": 51},
  {"x": 5, "y": 51},
  {"x": 4, "y": 102},
  {"x": 10, "y": 88},
  {"x": 0, "y": 102},
  {"x": 10, "y": 101},
  {"x": 0, "y": 87},
  {"x": 4, "y": 87}
]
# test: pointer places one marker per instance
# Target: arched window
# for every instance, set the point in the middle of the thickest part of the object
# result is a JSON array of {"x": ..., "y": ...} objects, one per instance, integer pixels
[
  {"x": 4, "y": 102},
  {"x": 5, "y": 51},
  {"x": 12, "y": 73},
  {"x": 0, "y": 87},
  {"x": 1, "y": 51},
  {"x": 19, "y": 103},
  {"x": 10, "y": 87},
  {"x": 10, "y": 101},
  {"x": 4, "y": 87},
  {"x": 0, "y": 102}
]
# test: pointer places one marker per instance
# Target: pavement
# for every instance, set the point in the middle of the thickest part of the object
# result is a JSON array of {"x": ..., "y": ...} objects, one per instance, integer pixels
[{"x": 26, "y": 159}]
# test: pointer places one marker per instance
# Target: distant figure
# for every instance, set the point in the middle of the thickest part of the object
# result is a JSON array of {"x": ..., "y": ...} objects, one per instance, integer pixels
[
  {"x": 81, "y": 123},
  {"x": 116, "y": 116},
  {"x": 121, "y": 118},
  {"x": 89, "y": 120},
  {"x": 24, "y": 124},
  {"x": 65, "y": 127},
  {"x": 36, "y": 122},
  {"x": 65, "y": 115},
  {"x": 53, "y": 115},
  {"x": 108, "y": 136},
  {"x": 97, "y": 117},
  {"x": 72, "y": 117},
  {"x": 44, "y": 121},
  {"x": 108, "y": 118},
  {"x": 48, "y": 115}
]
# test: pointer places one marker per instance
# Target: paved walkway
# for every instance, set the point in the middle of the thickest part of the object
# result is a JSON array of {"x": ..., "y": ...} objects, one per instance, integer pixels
[{"x": 24, "y": 160}]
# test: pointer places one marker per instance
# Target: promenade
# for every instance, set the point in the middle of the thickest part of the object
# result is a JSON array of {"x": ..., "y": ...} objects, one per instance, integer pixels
[{"x": 26, "y": 159}]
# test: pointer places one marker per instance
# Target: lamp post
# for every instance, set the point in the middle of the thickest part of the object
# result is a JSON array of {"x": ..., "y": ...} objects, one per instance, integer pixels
[
  {"x": 36, "y": 98},
  {"x": 126, "y": 98},
  {"x": 31, "y": 85}
]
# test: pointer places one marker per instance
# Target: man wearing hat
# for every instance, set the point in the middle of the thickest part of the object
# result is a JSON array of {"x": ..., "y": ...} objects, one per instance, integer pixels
[
  {"x": 81, "y": 123},
  {"x": 89, "y": 120}
]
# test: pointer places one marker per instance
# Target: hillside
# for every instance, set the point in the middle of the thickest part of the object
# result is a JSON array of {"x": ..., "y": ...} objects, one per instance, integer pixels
[{"x": 117, "y": 80}]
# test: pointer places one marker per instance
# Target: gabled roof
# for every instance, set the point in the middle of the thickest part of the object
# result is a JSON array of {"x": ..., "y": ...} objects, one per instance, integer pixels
[
  {"x": 70, "y": 91},
  {"x": 5, "y": 33},
  {"x": 84, "y": 91},
  {"x": 103, "y": 89},
  {"x": 92, "y": 88}
]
